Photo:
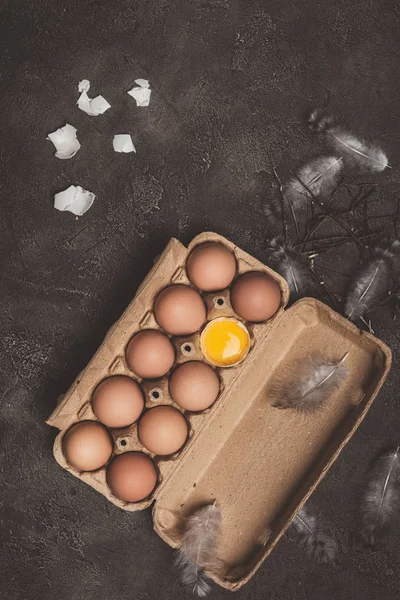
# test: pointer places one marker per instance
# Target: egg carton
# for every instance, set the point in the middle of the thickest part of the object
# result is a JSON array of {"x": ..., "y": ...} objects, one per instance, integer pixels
[{"x": 259, "y": 463}]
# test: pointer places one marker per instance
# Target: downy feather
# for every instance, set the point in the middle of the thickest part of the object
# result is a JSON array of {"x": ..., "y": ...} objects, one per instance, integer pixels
[
  {"x": 309, "y": 385},
  {"x": 198, "y": 551},
  {"x": 381, "y": 503},
  {"x": 317, "y": 541},
  {"x": 372, "y": 284},
  {"x": 293, "y": 267},
  {"x": 354, "y": 151},
  {"x": 320, "y": 177},
  {"x": 320, "y": 121}
]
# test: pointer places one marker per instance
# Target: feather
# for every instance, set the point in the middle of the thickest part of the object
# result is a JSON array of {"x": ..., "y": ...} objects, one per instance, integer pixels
[
  {"x": 320, "y": 121},
  {"x": 319, "y": 543},
  {"x": 293, "y": 267},
  {"x": 198, "y": 551},
  {"x": 396, "y": 301},
  {"x": 317, "y": 178},
  {"x": 354, "y": 151},
  {"x": 310, "y": 384},
  {"x": 381, "y": 503},
  {"x": 372, "y": 283}
]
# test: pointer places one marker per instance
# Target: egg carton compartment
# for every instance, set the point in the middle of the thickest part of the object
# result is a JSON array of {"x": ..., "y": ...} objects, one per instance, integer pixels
[{"x": 110, "y": 360}]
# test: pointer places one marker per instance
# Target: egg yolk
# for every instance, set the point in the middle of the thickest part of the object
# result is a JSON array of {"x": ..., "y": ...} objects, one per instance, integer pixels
[{"x": 225, "y": 342}]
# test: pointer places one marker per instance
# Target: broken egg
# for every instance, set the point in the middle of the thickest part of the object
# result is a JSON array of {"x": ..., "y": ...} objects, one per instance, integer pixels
[
  {"x": 141, "y": 92},
  {"x": 122, "y": 142},
  {"x": 255, "y": 296},
  {"x": 65, "y": 141},
  {"x": 211, "y": 266},
  {"x": 132, "y": 476},
  {"x": 74, "y": 199},
  {"x": 179, "y": 310},
  {"x": 225, "y": 342},
  {"x": 91, "y": 106},
  {"x": 163, "y": 430}
]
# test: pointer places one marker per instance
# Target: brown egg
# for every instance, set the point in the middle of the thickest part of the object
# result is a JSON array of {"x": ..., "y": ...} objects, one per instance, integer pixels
[
  {"x": 211, "y": 266},
  {"x": 194, "y": 386},
  {"x": 255, "y": 296},
  {"x": 163, "y": 430},
  {"x": 150, "y": 354},
  {"x": 132, "y": 476},
  {"x": 180, "y": 310},
  {"x": 118, "y": 401},
  {"x": 87, "y": 445}
]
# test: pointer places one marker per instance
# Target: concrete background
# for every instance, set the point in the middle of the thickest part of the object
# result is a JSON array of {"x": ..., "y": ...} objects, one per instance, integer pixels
[{"x": 232, "y": 83}]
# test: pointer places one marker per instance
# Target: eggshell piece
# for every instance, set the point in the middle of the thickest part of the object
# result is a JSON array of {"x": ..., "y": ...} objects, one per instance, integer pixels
[
  {"x": 255, "y": 296},
  {"x": 87, "y": 446},
  {"x": 163, "y": 430},
  {"x": 194, "y": 386},
  {"x": 211, "y": 266},
  {"x": 132, "y": 476},
  {"x": 179, "y": 310},
  {"x": 118, "y": 401},
  {"x": 150, "y": 354}
]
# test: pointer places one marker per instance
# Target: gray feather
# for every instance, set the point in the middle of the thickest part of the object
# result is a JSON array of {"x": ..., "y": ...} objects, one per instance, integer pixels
[
  {"x": 381, "y": 503},
  {"x": 317, "y": 541},
  {"x": 396, "y": 300},
  {"x": 320, "y": 121},
  {"x": 354, "y": 151},
  {"x": 320, "y": 177},
  {"x": 293, "y": 267},
  {"x": 198, "y": 551},
  {"x": 309, "y": 385},
  {"x": 371, "y": 286}
]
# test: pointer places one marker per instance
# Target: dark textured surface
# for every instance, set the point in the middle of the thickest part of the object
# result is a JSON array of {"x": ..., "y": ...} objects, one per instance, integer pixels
[{"x": 232, "y": 81}]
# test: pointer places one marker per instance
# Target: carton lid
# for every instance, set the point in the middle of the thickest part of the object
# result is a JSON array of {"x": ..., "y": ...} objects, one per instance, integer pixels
[{"x": 260, "y": 463}]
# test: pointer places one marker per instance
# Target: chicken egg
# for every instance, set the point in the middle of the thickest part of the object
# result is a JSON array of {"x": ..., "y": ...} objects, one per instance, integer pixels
[
  {"x": 163, "y": 430},
  {"x": 179, "y": 310},
  {"x": 87, "y": 446},
  {"x": 255, "y": 296},
  {"x": 131, "y": 476},
  {"x": 194, "y": 386},
  {"x": 225, "y": 342},
  {"x": 211, "y": 266},
  {"x": 150, "y": 354},
  {"x": 118, "y": 401}
]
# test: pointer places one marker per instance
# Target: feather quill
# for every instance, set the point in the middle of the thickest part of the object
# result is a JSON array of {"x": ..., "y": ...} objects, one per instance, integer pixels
[
  {"x": 293, "y": 267},
  {"x": 320, "y": 177},
  {"x": 372, "y": 284},
  {"x": 318, "y": 542},
  {"x": 354, "y": 151},
  {"x": 198, "y": 551},
  {"x": 310, "y": 385},
  {"x": 381, "y": 503}
]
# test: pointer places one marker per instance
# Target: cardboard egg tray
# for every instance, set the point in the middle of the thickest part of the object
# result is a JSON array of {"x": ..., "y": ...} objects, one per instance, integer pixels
[{"x": 259, "y": 463}]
